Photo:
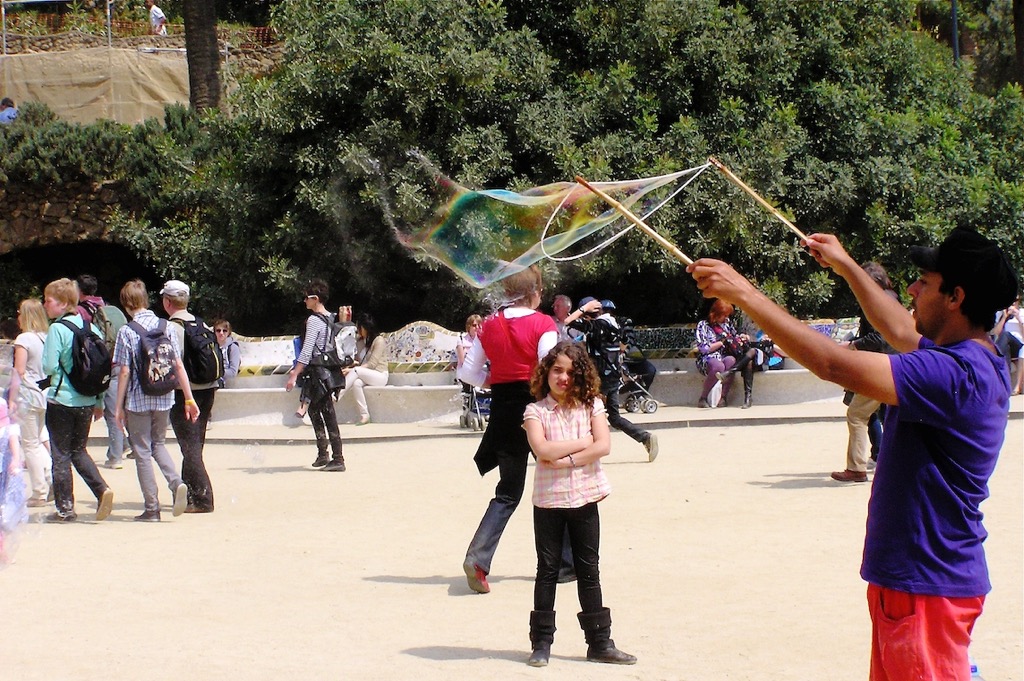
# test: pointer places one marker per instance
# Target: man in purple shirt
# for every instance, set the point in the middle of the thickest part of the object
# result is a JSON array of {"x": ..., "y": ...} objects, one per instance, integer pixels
[{"x": 949, "y": 391}]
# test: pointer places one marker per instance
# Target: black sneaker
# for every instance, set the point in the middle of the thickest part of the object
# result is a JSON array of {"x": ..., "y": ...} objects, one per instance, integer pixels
[
  {"x": 321, "y": 461},
  {"x": 335, "y": 465},
  {"x": 58, "y": 517}
]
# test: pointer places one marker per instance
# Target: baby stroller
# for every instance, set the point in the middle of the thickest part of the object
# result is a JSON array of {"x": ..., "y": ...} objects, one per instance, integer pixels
[
  {"x": 634, "y": 396},
  {"x": 476, "y": 407}
]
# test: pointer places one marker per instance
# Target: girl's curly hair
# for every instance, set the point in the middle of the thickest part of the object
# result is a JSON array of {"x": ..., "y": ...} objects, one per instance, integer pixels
[{"x": 585, "y": 383}]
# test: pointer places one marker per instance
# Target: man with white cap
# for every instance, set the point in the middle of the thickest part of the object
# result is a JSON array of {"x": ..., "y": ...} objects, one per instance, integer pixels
[
  {"x": 194, "y": 337},
  {"x": 949, "y": 395}
]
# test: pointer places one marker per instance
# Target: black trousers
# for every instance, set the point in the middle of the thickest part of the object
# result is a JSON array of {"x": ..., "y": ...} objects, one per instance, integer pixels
[
  {"x": 583, "y": 526},
  {"x": 191, "y": 439},
  {"x": 615, "y": 419},
  {"x": 69, "y": 432}
]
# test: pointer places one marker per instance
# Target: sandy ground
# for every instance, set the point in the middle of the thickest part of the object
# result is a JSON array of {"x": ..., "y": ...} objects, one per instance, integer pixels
[{"x": 733, "y": 556}]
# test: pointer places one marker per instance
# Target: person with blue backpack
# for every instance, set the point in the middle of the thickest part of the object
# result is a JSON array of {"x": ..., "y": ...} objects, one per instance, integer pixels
[
  {"x": 150, "y": 363},
  {"x": 70, "y": 407}
]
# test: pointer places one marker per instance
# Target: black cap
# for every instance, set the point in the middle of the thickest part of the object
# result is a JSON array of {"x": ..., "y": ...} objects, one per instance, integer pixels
[{"x": 972, "y": 262}]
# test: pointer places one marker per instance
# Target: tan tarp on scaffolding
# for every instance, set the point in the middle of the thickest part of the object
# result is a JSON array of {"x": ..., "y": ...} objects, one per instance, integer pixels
[{"x": 125, "y": 85}]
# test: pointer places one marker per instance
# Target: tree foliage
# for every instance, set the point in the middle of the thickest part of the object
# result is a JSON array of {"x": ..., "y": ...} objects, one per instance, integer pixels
[{"x": 843, "y": 114}]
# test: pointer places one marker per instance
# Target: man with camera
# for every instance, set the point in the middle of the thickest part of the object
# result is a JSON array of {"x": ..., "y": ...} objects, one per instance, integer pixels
[{"x": 604, "y": 345}]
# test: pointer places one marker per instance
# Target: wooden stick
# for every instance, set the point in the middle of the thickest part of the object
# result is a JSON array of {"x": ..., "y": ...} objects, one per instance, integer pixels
[
  {"x": 662, "y": 241},
  {"x": 771, "y": 209}
]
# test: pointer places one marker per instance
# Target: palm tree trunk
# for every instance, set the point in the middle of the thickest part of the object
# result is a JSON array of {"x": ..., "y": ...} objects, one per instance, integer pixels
[
  {"x": 202, "y": 53},
  {"x": 1018, "y": 38}
]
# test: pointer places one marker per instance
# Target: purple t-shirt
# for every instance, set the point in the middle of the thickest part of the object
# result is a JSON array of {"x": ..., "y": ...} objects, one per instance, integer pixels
[{"x": 939, "y": 448}]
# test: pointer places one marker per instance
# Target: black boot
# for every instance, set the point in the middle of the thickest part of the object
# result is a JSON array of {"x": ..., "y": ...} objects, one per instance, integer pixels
[
  {"x": 748, "y": 389},
  {"x": 597, "y": 629},
  {"x": 542, "y": 634},
  {"x": 321, "y": 458},
  {"x": 338, "y": 460}
]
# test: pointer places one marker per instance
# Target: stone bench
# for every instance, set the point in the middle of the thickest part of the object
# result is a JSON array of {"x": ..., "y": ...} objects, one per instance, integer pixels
[
  {"x": 679, "y": 383},
  {"x": 421, "y": 381}
]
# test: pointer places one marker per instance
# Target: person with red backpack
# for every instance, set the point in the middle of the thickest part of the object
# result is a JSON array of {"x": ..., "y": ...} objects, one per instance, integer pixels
[
  {"x": 70, "y": 410},
  {"x": 204, "y": 365},
  {"x": 109, "y": 320},
  {"x": 150, "y": 364}
]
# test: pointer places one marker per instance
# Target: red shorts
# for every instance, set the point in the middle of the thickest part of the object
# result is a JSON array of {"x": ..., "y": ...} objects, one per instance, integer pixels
[{"x": 924, "y": 638}]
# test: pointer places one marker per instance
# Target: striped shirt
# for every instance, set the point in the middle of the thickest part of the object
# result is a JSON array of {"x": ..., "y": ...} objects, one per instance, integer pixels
[
  {"x": 315, "y": 338},
  {"x": 567, "y": 487},
  {"x": 127, "y": 353}
]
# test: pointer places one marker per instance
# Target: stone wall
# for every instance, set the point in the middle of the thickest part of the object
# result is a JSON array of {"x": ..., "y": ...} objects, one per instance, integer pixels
[
  {"x": 40, "y": 216},
  {"x": 244, "y": 56}
]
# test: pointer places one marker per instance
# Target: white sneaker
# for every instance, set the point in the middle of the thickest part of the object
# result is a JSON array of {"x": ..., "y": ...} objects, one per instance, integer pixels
[
  {"x": 652, "y": 447},
  {"x": 180, "y": 499}
]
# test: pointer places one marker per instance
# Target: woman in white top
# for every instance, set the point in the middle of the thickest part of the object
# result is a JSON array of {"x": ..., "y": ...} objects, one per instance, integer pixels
[
  {"x": 371, "y": 366},
  {"x": 27, "y": 402}
]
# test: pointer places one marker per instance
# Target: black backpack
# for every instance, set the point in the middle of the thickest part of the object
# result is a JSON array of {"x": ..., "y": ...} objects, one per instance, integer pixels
[
  {"x": 90, "y": 361},
  {"x": 157, "y": 361},
  {"x": 202, "y": 356}
]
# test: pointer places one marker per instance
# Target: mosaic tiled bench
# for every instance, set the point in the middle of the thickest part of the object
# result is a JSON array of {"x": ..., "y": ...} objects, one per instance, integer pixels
[{"x": 421, "y": 383}]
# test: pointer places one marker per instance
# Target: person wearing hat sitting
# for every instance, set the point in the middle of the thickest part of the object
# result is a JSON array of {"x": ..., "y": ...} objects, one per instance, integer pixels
[
  {"x": 948, "y": 397},
  {"x": 604, "y": 345}
]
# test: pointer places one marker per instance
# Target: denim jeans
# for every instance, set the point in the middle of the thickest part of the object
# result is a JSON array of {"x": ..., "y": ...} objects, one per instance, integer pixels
[
  {"x": 584, "y": 529},
  {"x": 115, "y": 434},
  {"x": 191, "y": 440},
  {"x": 147, "y": 431},
  {"x": 69, "y": 431},
  {"x": 507, "y": 494}
]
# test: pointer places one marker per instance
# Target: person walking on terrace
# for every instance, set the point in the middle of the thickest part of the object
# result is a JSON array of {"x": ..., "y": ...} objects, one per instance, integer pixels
[
  {"x": 605, "y": 347},
  {"x": 144, "y": 413},
  {"x": 69, "y": 413},
  {"x": 948, "y": 397},
  {"x": 195, "y": 339},
  {"x": 513, "y": 340},
  {"x": 109, "y": 319}
]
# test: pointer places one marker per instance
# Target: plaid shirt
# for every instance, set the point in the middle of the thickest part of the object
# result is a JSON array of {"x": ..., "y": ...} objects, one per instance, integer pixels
[
  {"x": 126, "y": 353},
  {"x": 567, "y": 487}
]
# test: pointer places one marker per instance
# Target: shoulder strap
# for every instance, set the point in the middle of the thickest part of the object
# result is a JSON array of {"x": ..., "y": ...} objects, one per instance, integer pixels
[
  {"x": 327, "y": 324},
  {"x": 74, "y": 330}
]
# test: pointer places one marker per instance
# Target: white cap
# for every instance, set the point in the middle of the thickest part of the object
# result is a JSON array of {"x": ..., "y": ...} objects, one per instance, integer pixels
[{"x": 175, "y": 288}]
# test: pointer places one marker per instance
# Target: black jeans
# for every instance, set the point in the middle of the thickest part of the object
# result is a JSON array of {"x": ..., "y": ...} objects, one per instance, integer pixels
[
  {"x": 584, "y": 529},
  {"x": 325, "y": 425},
  {"x": 69, "y": 431},
  {"x": 191, "y": 440},
  {"x": 615, "y": 420}
]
